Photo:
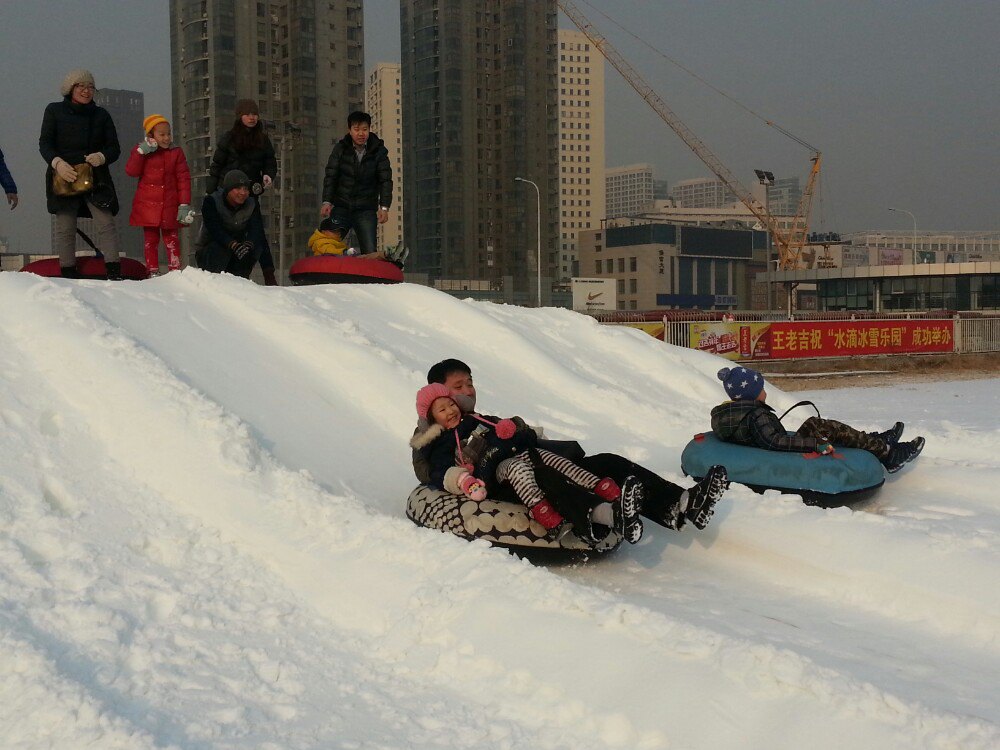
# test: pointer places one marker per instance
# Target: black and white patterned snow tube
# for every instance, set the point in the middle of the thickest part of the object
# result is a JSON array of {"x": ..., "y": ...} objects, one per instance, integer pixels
[{"x": 500, "y": 523}]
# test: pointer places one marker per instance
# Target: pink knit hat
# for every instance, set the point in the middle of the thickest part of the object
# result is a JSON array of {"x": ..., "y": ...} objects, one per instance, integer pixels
[{"x": 427, "y": 395}]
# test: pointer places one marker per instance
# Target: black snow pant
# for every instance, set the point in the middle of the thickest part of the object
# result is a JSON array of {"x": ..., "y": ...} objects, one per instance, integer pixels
[{"x": 663, "y": 498}]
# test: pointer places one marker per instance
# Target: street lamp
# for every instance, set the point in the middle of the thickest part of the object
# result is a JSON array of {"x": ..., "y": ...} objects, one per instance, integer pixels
[
  {"x": 767, "y": 179},
  {"x": 914, "y": 218},
  {"x": 538, "y": 227}
]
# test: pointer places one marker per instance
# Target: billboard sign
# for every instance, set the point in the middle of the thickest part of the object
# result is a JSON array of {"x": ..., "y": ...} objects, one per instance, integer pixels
[{"x": 594, "y": 294}]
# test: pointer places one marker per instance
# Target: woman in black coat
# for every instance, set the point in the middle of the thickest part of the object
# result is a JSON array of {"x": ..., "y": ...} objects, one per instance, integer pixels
[
  {"x": 245, "y": 147},
  {"x": 75, "y": 130}
]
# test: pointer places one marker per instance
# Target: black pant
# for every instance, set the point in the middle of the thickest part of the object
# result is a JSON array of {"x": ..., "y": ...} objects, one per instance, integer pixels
[{"x": 662, "y": 497}]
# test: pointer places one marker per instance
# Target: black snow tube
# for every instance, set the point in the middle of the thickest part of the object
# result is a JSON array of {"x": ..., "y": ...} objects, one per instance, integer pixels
[{"x": 502, "y": 524}]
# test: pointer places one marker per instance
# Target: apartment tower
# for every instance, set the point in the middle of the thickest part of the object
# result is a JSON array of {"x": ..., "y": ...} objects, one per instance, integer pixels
[
  {"x": 581, "y": 144},
  {"x": 384, "y": 104},
  {"x": 302, "y": 61},
  {"x": 479, "y": 109}
]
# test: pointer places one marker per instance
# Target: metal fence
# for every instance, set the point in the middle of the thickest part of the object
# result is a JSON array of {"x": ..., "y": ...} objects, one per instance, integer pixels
[{"x": 974, "y": 335}]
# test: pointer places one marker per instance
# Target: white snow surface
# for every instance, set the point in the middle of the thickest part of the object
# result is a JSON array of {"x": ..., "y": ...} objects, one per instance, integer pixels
[{"x": 203, "y": 541}]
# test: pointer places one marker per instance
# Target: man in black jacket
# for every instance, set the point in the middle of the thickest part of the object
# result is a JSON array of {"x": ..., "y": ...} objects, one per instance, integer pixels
[{"x": 357, "y": 187}]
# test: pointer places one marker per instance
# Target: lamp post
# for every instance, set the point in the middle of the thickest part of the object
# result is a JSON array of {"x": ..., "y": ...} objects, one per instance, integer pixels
[
  {"x": 767, "y": 179},
  {"x": 538, "y": 227},
  {"x": 914, "y": 218}
]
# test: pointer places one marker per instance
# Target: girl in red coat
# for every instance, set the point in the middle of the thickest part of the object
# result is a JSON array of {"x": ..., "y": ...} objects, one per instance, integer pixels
[{"x": 162, "y": 200}]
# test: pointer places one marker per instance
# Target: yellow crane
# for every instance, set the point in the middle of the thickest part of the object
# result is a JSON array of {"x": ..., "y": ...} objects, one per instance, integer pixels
[{"x": 790, "y": 241}]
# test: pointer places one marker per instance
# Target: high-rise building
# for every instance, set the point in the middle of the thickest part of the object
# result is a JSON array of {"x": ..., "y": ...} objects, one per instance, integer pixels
[
  {"x": 126, "y": 110},
  {"x": 479, "y": 109},
  {"x": 702, "y": 192},
  {"x": 784, "y": 196},
  {"x": 581, "y": 144},
  {"x": 302, "y": 61},
  {"x": 629, "y": 190},
  {"x": 384, "y": 104}
]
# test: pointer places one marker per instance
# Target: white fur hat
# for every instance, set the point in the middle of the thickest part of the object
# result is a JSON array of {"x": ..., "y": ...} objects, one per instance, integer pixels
[{"x": 74, "y": 77}]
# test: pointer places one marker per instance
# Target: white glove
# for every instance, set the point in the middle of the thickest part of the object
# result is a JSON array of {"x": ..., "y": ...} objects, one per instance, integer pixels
[
  {"x": 185, "y": 214},
  {"x": 64, "y": 169},
  {"x": 267, "y": 181},
  {"x": 95, "y": 159},
  {"x": 147, "y": 147}
]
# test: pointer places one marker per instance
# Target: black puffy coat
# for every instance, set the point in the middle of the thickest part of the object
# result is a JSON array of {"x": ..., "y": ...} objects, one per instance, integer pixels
[
  {"x": 253, "y": 162},
  {"x": 355, "y": 185},
  {"x": 71, "y": 131}
]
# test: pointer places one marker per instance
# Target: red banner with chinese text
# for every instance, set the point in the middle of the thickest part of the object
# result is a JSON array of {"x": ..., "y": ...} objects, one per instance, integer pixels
[
  {"x": 842, "y": 338},
  {"x": 848, "y": 338}
]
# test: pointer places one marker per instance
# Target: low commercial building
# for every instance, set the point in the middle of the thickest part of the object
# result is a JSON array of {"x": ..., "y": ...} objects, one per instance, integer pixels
[{"x": 663, "y": 265}]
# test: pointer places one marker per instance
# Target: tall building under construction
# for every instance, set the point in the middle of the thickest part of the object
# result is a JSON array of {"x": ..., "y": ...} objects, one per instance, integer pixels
[
  {"x": 479, "y": 109},
  {"x": 302, "y": 61}
]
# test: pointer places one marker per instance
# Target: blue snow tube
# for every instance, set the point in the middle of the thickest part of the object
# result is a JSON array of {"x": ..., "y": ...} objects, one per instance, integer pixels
[
  {"x": 502, "y": 524},
  {"x": 848, "y": 475}
]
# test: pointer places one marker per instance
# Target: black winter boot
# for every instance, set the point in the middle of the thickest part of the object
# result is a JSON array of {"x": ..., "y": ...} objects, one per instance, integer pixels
[
  {"x": 114, "y": 269},
  {"x": 69, "y": 272},
  {"x": 901, "y": 454},
  {"x": 891, "y": 436},
  {"x": 627, "y": 509},
  {"x": 704, "y": 495}
]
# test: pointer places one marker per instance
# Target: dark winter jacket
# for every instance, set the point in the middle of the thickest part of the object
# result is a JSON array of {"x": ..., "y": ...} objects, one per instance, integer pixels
[
  {"x": 6, "y": 181},
  {"x": 254, "y": 162},
  {"x": 754, "y": 423},
  {"x": 71, "y": 131},
  {"x": 356, "y": 185},
  {"x": 164, "y": 184},
  {"x": 222, "y": 225},
  {"x": 481, "y": 448}
]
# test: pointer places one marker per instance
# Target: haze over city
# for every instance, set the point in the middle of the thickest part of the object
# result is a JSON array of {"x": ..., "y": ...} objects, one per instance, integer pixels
[{"x": 902, "y": 99}]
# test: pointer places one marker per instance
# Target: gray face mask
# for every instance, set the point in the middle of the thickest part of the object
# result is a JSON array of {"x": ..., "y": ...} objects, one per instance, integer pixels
[{"x": 465, "y": 403}]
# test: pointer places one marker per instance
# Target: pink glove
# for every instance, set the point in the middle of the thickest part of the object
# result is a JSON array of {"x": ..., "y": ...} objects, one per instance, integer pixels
[
  {"x": 473, "y": 488},
  {"x": 545, "y": 514}
]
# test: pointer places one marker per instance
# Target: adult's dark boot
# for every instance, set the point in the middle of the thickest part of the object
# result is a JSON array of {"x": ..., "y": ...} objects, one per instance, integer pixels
[
  {"x": 114, "y": 269},
  {"x": 704, "y": 495},
  {"x": 901, "y": 454},
  {"x": 69, "y": 272}
]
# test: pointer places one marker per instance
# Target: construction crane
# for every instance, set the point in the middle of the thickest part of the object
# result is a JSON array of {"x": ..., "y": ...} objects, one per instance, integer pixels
[{"x": 790, "y": 241}]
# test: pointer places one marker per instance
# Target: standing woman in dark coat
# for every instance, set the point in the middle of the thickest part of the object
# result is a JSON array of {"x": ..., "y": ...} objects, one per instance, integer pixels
[
  {"x": 75, "y": 130},
  {"x": 245, "y": 147}
]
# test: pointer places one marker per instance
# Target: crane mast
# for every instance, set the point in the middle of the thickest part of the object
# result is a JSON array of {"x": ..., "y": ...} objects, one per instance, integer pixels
[{"x": 789, "y": 242}]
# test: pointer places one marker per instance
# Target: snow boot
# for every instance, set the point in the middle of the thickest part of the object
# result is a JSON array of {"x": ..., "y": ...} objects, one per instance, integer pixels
[
  {"x": 891, "y": 436},
  {"x": 627, "y": 520},
  {"x": 901, "y": 454},
  {"x": 114, "y": 269},
  {"x": 69, "y": 272},
  {"x": 704, "y": 495}
]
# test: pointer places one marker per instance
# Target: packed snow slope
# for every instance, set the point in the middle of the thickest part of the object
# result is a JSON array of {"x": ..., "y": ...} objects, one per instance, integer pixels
[{"x": 202, "y": 542}]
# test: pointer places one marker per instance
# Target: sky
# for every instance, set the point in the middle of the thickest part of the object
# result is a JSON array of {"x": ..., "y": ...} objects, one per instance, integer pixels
[
  {"x": 902, "y": 98},
  {"x": 203, "y": 543}
]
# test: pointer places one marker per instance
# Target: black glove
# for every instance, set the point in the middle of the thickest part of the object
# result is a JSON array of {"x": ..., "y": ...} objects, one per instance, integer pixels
[{"x": 241, "y": 249}]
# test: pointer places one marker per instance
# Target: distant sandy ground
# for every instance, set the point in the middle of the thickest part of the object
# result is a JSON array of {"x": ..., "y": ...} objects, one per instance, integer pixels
[{"x": 874, "y": 371}]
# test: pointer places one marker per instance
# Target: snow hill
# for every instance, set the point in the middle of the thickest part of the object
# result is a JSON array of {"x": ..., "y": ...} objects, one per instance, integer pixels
[{"x": 202, "y": 542}]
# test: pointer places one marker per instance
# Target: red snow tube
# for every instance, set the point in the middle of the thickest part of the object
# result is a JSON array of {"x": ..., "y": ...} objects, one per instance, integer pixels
[
  {"x": 90, "y": 267},
  {"x": 340, "y": 269}
]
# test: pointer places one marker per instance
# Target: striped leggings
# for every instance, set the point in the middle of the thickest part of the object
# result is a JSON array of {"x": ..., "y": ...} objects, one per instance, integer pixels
[{"x": 519, "y": 473}]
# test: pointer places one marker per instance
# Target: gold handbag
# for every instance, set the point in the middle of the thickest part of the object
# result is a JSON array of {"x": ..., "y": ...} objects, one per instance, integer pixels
[{"x": 83, "y": 183}]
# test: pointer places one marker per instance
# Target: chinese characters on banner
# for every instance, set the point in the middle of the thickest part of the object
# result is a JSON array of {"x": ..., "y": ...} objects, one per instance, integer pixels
[{"x": 847, "y": 338}]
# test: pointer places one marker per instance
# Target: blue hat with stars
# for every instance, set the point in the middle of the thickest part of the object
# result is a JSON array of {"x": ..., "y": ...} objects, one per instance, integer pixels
[{"x": 741, "y": 382}]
